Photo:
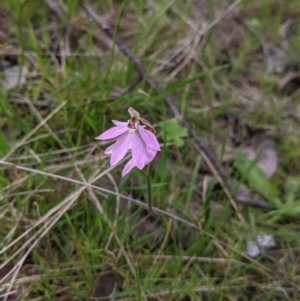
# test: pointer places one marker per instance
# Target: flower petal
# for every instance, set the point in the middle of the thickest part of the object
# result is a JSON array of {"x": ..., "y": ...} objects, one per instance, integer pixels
[
  {"x": 128, "y": 167},
  {"x": 149, "y": 138},
  {"x": 147, "y": 123},
  {"x": 151, "y": 153},
  {"x": 134, "y": 113},
  {"x": 119, "y": 123},
  {"x": 120, "y": 148},
  {"x": 108, "y": 151},
  {"x": 112, "y": 132},
  {"x": 139, "y": 150}
]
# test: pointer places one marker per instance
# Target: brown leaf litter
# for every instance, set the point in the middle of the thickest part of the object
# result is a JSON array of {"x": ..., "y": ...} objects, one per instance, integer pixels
[
  {"x": 262, "y": 149},
  {"x": 106, "y": 283}
]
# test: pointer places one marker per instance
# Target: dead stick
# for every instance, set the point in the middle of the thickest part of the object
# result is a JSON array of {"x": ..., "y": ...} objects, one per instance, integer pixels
[
  {"x": 129, "y": 88},
  {"x": 229, "y": 183}
]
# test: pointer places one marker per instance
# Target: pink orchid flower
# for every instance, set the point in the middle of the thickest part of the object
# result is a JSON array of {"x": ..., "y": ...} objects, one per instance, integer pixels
[{"x": 131, "y": 136}]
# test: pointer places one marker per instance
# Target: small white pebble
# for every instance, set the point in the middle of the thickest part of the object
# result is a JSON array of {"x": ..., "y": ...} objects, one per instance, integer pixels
[{"x": 257, "y": 246}]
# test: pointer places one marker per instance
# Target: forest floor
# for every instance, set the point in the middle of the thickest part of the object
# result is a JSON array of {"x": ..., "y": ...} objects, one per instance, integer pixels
[{"x": 72, "y": 228}]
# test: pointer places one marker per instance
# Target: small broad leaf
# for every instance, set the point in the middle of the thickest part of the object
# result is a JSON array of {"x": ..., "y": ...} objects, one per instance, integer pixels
[{"x": 174, "y": 132}]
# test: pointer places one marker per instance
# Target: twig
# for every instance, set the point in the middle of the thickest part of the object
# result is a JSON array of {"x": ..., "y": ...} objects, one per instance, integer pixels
[
  {"x": 229, "y": 183},
  {"x": 125, "y": 90}
]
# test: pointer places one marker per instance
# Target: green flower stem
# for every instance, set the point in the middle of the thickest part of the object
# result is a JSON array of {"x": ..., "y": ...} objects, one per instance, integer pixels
[{"x": 149, "y": 188}]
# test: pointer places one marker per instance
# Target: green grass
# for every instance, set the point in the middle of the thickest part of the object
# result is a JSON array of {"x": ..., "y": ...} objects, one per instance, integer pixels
[{"x": 69, "y": 233}]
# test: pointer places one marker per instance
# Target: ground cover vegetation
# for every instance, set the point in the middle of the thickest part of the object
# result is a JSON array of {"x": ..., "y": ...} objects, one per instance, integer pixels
[{"x": 72, "y": 228}]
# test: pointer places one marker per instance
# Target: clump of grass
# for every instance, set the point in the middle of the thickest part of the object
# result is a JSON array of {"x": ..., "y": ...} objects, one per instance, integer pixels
[{"x": 59, "y": 233}]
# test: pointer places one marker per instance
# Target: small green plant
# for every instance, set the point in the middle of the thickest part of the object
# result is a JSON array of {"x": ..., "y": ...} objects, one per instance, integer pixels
[{"x": 174, "y": 132}]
